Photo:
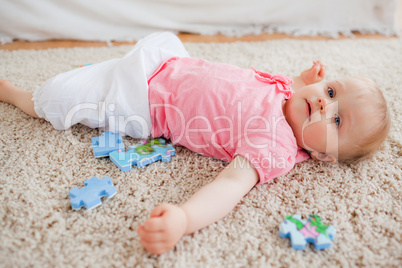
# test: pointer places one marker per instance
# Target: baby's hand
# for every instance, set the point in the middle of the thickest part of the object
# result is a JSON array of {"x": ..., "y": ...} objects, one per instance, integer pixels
[
  {"x": 315, "y": 74},
  {"x": 161, "y": 232}
]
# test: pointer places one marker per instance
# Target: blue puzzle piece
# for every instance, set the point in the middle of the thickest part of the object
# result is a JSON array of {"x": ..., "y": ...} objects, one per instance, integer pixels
[
  {"x": 302, "y": 232},
  {"x": 143, "y": 154},
  {"x": 106, "y": 144},
  {"x": 90, "y": 196}
]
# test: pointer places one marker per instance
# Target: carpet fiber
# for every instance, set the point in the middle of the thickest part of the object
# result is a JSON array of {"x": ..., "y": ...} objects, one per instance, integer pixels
[{"x": 39, "y": 165}]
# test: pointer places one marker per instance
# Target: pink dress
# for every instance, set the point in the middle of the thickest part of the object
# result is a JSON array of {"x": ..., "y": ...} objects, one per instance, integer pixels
[{"x": 220, "y": 110}]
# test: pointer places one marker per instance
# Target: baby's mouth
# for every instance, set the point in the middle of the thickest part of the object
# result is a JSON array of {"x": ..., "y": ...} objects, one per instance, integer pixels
[{"x": 308, "y": 110}]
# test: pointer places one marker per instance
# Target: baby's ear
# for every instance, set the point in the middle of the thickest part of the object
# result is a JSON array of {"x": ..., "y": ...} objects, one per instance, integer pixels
[{"x": 329, "y": 158}]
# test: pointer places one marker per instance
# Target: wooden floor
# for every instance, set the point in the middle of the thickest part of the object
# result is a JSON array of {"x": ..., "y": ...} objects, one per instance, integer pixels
[{"x": 184, "y": 37}]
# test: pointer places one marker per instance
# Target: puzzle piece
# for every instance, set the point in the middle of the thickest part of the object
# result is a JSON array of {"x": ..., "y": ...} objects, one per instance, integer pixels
[
  {"x": 106, "y": 144},
  {"x": 82, "y": 65},
  {"x": 90, "y": 196},
  {"x": 312, "y": 231},
  {"x": 143, "y": 154}
]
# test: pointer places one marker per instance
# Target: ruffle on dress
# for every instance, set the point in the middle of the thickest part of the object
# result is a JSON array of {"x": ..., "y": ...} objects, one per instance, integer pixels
[
  {"x": 36, "y": 97},
  {"x": 283, "y": 82}
]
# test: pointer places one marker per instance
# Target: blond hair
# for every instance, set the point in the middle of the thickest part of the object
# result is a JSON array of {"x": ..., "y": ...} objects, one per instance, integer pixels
[{"x": 369, "y": 144}]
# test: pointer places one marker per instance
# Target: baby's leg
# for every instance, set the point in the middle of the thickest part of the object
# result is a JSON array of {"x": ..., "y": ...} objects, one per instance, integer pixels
[{"x": 12, "y": 94}]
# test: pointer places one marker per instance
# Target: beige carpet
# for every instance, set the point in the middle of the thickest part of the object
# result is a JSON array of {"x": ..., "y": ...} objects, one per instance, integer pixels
[{"x": 39, "y": 165}]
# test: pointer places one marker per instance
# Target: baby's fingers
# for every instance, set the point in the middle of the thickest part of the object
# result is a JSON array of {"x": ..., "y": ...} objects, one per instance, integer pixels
[
  {"x": 153, "y": 242},
  {"x": 149, "y": 237},
  {"x": 159, "y": 210},
  {"x": 315, "y": 70},
  {"x": 320, "y": 67},
  {"x": 321, "y": 73},
  {"x": 155, "y": 248},
  {"x": 154, "y": 224}
]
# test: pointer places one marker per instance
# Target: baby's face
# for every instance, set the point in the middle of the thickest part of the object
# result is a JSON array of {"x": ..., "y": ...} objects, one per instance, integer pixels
[{"x": 330, "y": 116}]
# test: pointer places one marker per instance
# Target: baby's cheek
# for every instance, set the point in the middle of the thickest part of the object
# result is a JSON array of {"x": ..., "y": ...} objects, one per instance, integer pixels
[{"x": 315, "y": 136}]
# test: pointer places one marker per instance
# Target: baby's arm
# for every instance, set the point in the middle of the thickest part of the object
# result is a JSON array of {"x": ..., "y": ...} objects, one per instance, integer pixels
[
  {"x": 168, "y": 223},
  {"x": 310, "y": 76}
]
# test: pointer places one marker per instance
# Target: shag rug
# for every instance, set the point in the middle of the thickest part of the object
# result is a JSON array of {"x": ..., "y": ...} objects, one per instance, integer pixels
[{"x": 39, "y": 165}]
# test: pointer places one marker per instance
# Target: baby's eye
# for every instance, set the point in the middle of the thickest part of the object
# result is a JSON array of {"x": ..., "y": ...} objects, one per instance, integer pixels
[
  {"x": 337, "y": 120},
  {"x": 331, "y": 92}
]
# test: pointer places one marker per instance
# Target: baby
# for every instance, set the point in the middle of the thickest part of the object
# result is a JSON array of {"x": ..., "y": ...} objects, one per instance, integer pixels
[{"x": 262, "y": 124}]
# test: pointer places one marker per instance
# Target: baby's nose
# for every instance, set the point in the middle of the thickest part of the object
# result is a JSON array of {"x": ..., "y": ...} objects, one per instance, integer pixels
[{"x": 322, "y": 103}]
